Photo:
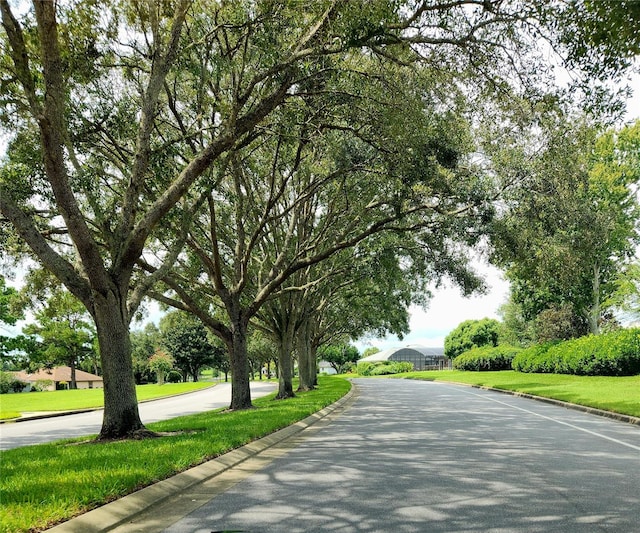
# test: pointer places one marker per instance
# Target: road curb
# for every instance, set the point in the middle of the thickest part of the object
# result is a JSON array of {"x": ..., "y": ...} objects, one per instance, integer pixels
[
  {"x": 123, "y": 510},
  {"x": 560, "y": 403},
  {"x": 91, "y": 409}
]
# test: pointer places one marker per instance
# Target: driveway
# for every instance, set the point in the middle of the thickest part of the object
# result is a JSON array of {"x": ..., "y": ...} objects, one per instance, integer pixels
[
  {"x": 14, "y": 435},
  {"x": 410, "y": 456}
]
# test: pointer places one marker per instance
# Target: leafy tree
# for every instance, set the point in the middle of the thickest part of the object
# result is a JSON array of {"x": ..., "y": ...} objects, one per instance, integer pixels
[
  {"x": 221, "y": 361},
  {"x": 369, "y": 351},
  {"x": 64, "y": 333},
  {"x": 515, "y": 330},
  {"x": 117, "y": 113},
  {"x": 8, "y": 315},
  {"x": 339, "y": 355},
  {"x": 471, "y": 334},
  {"x": 144, "y": 344},
  {"x": 161, "y": 363},
  {"x": 572, "y": 225},
  {"x": 261, "y": 351},
  {"x": 184, "y": 337}
]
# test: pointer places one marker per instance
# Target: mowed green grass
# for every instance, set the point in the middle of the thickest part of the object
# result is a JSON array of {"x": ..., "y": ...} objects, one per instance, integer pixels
[
  {"x": 45, "y": 484},
  {"x": 616, "y": 394},
  {"x": 65, "y": 400}
]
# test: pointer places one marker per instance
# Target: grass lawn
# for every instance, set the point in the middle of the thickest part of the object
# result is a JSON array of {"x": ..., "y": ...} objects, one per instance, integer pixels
[
  {"x": 11, "y": 405},
  {"x": 617, "y": 394},
  {"x": 45, "y": 484}
]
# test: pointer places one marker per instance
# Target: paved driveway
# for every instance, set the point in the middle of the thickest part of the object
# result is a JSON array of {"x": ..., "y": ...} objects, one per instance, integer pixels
[{"x": 411, "y": 456}]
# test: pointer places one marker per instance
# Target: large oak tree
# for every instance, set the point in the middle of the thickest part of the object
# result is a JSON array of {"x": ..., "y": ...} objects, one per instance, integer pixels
[{"x": 116, "y": 113}]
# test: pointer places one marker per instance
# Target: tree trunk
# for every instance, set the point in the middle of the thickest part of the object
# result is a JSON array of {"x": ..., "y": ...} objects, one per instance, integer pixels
[
  {"x": 240, "y": 390},
  {"x": 306, "y": 365},
  {"x": 121, "y": 417},
  {"x": 74, "y": 384},
  {"x": 594, "y": 312},
  {"x": 285, "y": 366}
]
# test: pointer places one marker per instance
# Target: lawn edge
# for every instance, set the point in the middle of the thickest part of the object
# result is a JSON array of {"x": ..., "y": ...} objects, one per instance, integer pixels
[
  {"x": 123, "y": 510},
  {"x": 621, "y": 417},
  {"x": 55, "y": 414}
]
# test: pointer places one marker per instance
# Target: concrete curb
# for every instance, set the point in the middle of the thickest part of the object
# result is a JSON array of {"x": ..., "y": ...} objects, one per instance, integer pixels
[
  {"x": 121, "y": 511},
  {"x": 89, "y": 409},
  {"x": 567, "y": 405}
]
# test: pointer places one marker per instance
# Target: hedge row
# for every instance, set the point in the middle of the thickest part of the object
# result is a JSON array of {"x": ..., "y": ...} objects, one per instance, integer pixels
[
  {"x": 611, "y": 354},
  {"x": 486, "y": 358},
  {"x": 381, "y": 368}
]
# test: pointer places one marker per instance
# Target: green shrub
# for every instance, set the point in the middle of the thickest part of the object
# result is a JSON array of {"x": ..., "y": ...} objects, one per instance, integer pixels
[
  {"x": 611, "y": 354},
  {"x": 7, "y": 382},
  {"x": 382, "y": 368},
  {"x": 174, "y": 377},
  {"x": 486, "y": 358},
  {"x": 532, "y": 359},
  {"x": 41, "y": 385},
  {"x": 364, "y": 368}
]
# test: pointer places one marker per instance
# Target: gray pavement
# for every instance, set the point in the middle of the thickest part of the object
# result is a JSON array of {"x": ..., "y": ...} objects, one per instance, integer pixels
[
  {"x": 42, "y": 430},
  {"x": 408, "y": 456}
]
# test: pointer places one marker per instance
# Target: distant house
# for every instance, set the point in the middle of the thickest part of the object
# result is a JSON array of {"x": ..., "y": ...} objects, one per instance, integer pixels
[
  {"x": 422, "y": 358},
  {"x": 58, "y": 376},
  {"x": 326, "y": 368}
]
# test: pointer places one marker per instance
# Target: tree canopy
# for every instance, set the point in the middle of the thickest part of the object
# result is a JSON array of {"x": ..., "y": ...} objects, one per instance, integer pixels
[
  {"x": 572, "y": 223},
  {"x": 125, "y": 119},
  {"x": 471, "y": 334}
]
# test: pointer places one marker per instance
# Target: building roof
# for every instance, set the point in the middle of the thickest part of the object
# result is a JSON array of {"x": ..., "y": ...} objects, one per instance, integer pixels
[
  {"x": 57, "y": 374},
  {"x": 412, "y": 348}
]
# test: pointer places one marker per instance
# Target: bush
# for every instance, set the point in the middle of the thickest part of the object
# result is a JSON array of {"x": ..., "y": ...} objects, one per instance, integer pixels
[
  {"x": 532, "y": 359},
  {"x": 174, "y": 377},
  {"x": 382, "y": 368},
  {"x": 611, "y": 354},
  {"x": 486, "y": 358},
  {"x": 41, "y": 385},
  {"x": 8, "y": 383}
]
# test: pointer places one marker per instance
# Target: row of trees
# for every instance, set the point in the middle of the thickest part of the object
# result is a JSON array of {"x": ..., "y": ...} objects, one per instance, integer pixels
[{"x": 253, "y": 163}]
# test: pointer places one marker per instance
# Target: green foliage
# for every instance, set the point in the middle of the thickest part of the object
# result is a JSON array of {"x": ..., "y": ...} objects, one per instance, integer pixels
[
  {"x": 160, "y": 363},
  {"x": 144, "y": 344},
  {"x": 174, "y": 376},
  {"x": 383, "y": 368},
  {"x": 8, "y": 295},
  {"x": 471, "y": 334},
  {"x": 370, "y": 351},
  {"x": 571, "y": 224},
  {"x": 486, "y": 358},
  {"x": 611, "y": 354},
  {"x": 185, "y": 339},
  {"x": 338, "y": 356},
  {"x": 62, "y": 333},
  {"x": 41, "y": 385},
  {"x": 556, "y": 323},
  {"x": 9, "y": 383}
]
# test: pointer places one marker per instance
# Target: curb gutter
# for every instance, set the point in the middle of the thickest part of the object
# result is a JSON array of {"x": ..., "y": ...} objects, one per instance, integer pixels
[
  {"x": 121, "y": 511},
  {"x": 574, "y": 406}
]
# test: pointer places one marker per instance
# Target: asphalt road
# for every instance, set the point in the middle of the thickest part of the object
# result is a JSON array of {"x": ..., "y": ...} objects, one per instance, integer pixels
[
  {"x": 14, "y": 435},
  {"x": 410, "y": 456}
]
